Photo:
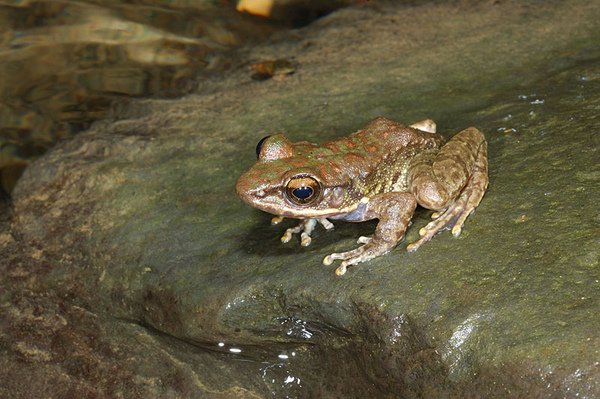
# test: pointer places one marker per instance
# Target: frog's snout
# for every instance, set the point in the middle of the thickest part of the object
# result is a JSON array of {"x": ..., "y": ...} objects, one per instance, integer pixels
[
  {"x": 241, "y": 189},
  {"x": 249, "y": 194}
]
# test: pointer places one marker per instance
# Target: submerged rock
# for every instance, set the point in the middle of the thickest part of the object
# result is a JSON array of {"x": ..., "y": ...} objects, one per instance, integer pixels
[{"x": 131, "y": 269}]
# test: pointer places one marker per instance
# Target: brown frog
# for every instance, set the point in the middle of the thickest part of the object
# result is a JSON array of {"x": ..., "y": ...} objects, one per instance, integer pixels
[{"x": 380, "y": 172}]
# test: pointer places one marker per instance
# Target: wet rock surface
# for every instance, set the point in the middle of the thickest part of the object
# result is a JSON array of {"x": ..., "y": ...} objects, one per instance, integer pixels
[{"x": 130, "y": 268}]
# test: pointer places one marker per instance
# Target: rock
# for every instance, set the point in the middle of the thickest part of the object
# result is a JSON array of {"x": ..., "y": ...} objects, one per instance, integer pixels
[{"x": 132, "y": 270}]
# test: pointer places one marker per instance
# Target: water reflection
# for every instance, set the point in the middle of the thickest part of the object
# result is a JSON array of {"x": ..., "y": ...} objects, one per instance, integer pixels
[
  {"x": 296, "y": 328},
  {"x": 277, "y": 365},
  {"x": 281, "y": 380},
  {"x": 62, "y": 63}
]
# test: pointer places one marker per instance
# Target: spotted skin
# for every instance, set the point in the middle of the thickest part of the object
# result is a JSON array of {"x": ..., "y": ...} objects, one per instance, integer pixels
[{"x": 382, "y": 171}]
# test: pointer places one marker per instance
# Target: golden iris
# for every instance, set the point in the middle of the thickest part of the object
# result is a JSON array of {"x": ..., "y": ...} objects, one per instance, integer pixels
[{"x": 303, "y": 189}]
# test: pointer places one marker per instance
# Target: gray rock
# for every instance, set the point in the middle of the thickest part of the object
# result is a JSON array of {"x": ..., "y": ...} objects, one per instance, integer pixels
[{"x": 132, "y": 270}]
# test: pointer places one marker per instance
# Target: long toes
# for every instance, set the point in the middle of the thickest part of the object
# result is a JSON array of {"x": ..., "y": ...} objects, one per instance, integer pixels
[
  {"x": 442, "y": 222},
  {"x": 460, "y": 222},
  {"x": 436, "y": 215},
  {"x": 457, "y": 213},
  {"x": 415, "y": 245},
  {"x": 325, "y": 223},
  {"x": 305, "y": 228},
  {"x": 456, "y": 230},
  {"x": 358, "y": 255},
  {"x": 453, "y": 217},
  {"x": 328, "y": 260},
  {"x": 349, "y": 258},
  {"x": 305, "y": 239},
  {"x": 287, "y": 236},
  {"x": 341, "y": 269}
]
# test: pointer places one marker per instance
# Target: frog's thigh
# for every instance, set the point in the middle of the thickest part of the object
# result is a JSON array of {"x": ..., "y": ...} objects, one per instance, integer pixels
[
  {"x": 394, "y": 211},
  {"x": 436, "y": 182}
]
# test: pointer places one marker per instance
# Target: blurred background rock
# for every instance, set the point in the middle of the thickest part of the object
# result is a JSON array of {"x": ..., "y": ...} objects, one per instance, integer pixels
[{"x": 63, "y": 63}]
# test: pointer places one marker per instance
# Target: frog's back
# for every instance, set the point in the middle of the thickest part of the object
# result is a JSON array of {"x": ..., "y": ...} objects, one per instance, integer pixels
[
  {"x": 383, "y": 136},
  {"x": 389, "y": 146}
]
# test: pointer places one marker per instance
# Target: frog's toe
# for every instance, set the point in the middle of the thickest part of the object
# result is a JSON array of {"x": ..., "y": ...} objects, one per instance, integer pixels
[
  {"x": 328, "y": 260},
  {"x": 368, "y": 251},
  {"x": 364, "y": 240},
  {"x": 305, "y": 228},
  {"x": 341, "y": 270},
  {"x": 325, "y": 223},
  {"x": 436, "y": 215},
  {"x": 276, "y": 220},
  {"x": 453, "y": 217},
  {"x": 349, "y": 258},
  {"x": 444, "y": 221},
  {"x": 305, "y": 239},
  {"x": 287, "y": 236}
]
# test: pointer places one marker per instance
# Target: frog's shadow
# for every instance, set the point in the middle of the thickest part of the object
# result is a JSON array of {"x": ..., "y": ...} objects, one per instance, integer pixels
[{"x": 264, "y": 239}]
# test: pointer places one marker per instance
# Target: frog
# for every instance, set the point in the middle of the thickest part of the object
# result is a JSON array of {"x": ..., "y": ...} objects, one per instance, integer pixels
[{"x": 382, "y": 171}]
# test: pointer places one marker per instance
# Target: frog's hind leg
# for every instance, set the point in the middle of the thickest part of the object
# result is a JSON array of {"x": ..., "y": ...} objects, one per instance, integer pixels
[{"x": 453, "y": 183}]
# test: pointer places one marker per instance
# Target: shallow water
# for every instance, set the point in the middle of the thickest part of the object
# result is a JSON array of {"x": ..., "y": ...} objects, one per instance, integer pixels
[{"x": 62, "y": 63}]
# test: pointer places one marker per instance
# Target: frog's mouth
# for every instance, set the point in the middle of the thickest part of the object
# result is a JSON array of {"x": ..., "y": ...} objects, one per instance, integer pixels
[
  {"x": 277, "y": 205},
  {"x": 260, "y": 198}
]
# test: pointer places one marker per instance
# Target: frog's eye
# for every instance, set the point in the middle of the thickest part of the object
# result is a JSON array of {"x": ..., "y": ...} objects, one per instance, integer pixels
[
  {"x": 303, "y": 189},
  {"x": 260, "y": 145},
  {"x": 274, "y": 147}
]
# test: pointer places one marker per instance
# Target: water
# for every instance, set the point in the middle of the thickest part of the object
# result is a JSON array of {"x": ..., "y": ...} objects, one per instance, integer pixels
[{"x": 63, "y": 63}]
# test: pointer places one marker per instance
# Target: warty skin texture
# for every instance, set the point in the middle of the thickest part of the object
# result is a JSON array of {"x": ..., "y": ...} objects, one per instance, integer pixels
[{"x": 382, "y": 171}]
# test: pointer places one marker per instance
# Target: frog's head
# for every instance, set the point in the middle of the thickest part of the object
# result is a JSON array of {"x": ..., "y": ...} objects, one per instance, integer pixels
[{"x": 295, "y": 180}]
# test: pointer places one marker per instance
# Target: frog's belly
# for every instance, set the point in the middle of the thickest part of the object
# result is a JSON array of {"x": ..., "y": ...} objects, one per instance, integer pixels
[{"x": 357, "y": 215}]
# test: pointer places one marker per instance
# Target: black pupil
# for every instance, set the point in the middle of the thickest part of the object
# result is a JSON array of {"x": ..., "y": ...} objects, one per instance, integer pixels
[
  {"x": 260, "y": 144},
  {"x": 303, "y": 192}
]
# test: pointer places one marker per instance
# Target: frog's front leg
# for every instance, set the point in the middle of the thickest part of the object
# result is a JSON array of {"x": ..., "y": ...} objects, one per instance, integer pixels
[
  {"x": 394, "y": 211},
  {"x": 452, "y": 183},
  {"x": 305, "y": 228}
]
